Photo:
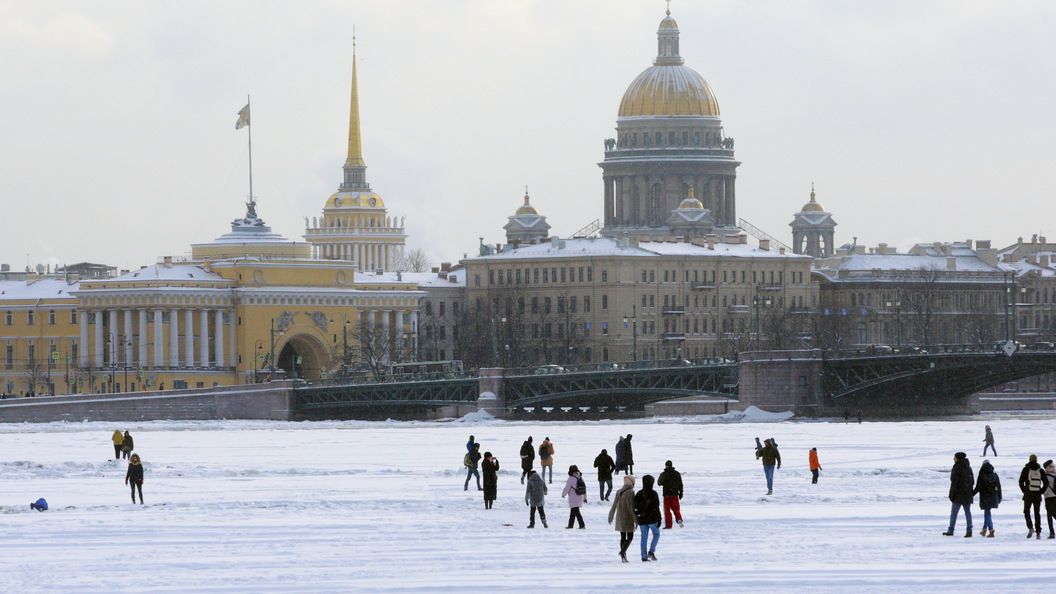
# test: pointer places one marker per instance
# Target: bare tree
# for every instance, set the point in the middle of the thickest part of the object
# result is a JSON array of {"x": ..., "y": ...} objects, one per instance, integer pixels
[
  {"x": 415, "y": 260},
  {"x": 922, "y": 299},
  {"x": 34, "y": 374}
]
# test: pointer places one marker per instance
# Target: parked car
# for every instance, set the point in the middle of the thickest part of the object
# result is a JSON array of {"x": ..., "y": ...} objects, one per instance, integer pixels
[
  {"x": 1041, "y": 346},
  {"x": 544, "y": 369}
]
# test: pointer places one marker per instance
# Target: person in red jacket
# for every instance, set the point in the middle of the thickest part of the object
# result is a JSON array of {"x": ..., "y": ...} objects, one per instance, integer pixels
[{"x": 815, "y": 466}]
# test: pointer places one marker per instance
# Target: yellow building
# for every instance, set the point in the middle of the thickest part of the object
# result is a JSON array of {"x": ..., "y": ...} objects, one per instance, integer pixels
[
  {"x": 40, "y": 319},
  {"x": 355, "y": 225}
]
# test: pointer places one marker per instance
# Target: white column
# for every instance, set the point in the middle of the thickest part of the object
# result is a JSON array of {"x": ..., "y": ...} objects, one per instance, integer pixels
[
  {"x": 218, "y": 332},
  {"x": 98, "y": 339},
  {"x": 127, "y": 344},
  {"x": 159, "y": 348},
  {"x": 399, "y": 335},
  {"x": 142, "y": 360},
  {"x": 414, "y": 333},
  {"x": 233, "y": 348},
  {"x": 188, "y": 337},
  {"x": 203, "y": 337},
  {"x": 174, "y": 338},
  {"x": 82, "y": 349}
]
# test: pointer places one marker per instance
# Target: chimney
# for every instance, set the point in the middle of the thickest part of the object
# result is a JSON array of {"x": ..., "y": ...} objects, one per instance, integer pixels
[
  {"x": 1032, "y": 259},
  {"x": 445, "y": 266},
  {"x": 168, "y": 261},
  {"x": 435, "y": 270},
  {"x": 982, "y": 244},
  {"x": 732, "y": 238},
  {"x": 712, "y": 239},
  {"x": 764, "y": 244},
  {"x": 951, "y": 263},
  {"x": 1043, "y": 260},
  {"x": 442, "y": 274}
]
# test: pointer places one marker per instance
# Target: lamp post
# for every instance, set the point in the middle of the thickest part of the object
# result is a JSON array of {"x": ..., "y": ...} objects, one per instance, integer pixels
[
  {"x": 897, "y": 305},
  {"x": 344, "y": 342},
  {"x": 634, "y": 329}
]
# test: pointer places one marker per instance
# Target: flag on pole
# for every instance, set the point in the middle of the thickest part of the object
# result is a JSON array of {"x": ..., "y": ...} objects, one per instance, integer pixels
[{"x": 243, "y": 118}]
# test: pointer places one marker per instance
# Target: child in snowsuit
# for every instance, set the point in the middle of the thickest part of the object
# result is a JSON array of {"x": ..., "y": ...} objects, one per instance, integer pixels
[
  {"x": 134, "y": 477},
  {"x": 534, "y": 497}
]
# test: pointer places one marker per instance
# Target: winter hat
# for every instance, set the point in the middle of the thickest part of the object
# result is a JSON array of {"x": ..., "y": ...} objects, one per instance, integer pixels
[
  {"x": 487, "y": 454},
  {"x": 628, "y": 480},
  {"x": 1047, "y": 463},
  {"x": 668, "y": 464},
  {"x": 987, "y": 461},
  {"x": 546, "y": 439},
  {"x": 813, "y": 449},
  {"x": 960, "y": 455},
  {"x": 572, "y": 469},
  {"x": 1033, "y": 457},
  {"x": 604, "y": 451},
  {"x": 470, "y": 438}
]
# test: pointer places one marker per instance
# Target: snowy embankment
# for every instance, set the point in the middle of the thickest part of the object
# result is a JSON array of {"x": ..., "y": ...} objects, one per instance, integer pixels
[{"x": 270, "y": 506}]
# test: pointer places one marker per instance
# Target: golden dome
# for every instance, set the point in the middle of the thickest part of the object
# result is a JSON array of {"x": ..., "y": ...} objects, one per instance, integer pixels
[
  {"x": 354, "y": 199},
  {"x": 668, "y": 88},
  {"x": 691, "y": 202},
  {"x": 813, "y": 205},
  {"x": 526, "y": 208}
]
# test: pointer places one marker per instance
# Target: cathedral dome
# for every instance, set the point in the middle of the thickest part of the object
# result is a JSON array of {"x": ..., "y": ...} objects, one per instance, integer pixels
[
  {"x": 813, "y": 205},
  {"x": 526, "y": 208},
  {"x": 691, "y": 203},
  {"x": 668, "y": 87}
]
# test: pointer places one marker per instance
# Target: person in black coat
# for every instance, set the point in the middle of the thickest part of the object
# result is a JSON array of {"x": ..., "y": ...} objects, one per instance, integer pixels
[
  {"x": 628, "y": 454},
  {"x": 527, "y": 458},
  {"x": 988, "y": 487},
  {"x": 134, "y": 477},
  {"x": 671, "y": 480},
  {"x": 1032, "y": 484},
  {"x": 962, "y": 487},
  {"x": 647, "y": 512},
  {"x": 490, "y": 469},
  {"x": 605, "y": 466}
]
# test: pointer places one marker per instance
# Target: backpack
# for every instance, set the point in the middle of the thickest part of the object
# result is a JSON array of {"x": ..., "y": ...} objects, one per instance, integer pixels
[
  {"x": 581, "y": 487},
  {"x": 467, "y": 461},
  {"x": 988, "y": 485},
  {"x": 1034, "y": 480},
  {"x": 544, "y": 452}
]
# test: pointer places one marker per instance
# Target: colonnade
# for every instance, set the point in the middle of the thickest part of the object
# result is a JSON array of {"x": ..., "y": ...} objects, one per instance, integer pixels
[
  {"x": 399, "y": 343},
  {"x": 368, "y": 256},
  {"x": 136, "y": 337},
  {"x": 627, "y": 199}
]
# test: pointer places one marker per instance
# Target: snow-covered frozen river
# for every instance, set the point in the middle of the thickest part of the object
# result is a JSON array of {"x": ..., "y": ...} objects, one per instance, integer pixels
[{"x": 341, "y": 506}]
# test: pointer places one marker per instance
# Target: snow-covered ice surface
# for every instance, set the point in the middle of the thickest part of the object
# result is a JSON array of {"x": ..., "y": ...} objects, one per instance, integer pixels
[{"x": 340, "y": 506}]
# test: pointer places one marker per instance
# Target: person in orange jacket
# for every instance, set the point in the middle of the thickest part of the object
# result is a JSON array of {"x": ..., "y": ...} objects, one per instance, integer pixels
[{"x": 815, "y": 466}]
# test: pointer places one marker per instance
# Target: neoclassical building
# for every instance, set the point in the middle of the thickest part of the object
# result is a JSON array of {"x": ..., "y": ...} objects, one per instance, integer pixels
[
  {"x": 813, "y": 230},
  {"x": 669, "y": 146},
  {"x": 355, "y": 225}
]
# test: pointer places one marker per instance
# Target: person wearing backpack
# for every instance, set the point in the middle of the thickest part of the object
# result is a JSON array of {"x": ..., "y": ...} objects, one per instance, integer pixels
[
  {"x": 470, "y": 460},
  {"x": 1032, "y": 483},
  {"x": 671, "y": 480},
  {"x": 961, "y": 492},
  {"x": 546, "y": 458},
  {"x": 534, "y": 497},
  {"x": 576, "y": 491},
  {"x": 605, "y": 466},
  {"x": 647, "y": 513},
  {"x": 988, "y": 487},
  {"x": 1050, "y": 494}
]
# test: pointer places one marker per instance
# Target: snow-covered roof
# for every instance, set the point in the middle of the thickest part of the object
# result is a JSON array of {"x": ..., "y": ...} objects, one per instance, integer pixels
[
  {"x": 455, "y": 279},
  {"x": 169, "y": 273},
  {"x": 36, "y": 289},
  {"x": 907, "y": 262},
  {"x": 607, "y": 246}
]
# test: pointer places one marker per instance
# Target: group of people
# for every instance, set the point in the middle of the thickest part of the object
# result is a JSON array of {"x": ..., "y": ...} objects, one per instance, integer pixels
[
  {"x": 628, "y": 510},
  {"x": 1037, "y": 483},
  {"x": 123, "y": 446}
]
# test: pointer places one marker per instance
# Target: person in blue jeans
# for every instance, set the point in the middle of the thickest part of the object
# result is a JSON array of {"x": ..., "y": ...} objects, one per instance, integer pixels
[
  {"x": 647, "y": 512},
  {"x": 962, "y": 489},
  {"x": 472, "y": 459},
  {"x": 770, "y": 457}
]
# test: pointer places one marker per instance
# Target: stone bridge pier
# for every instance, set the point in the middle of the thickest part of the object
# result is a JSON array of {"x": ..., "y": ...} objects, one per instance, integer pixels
[
  {"x": 491, "y": 399},
  {"x": 781, "y": 380}
]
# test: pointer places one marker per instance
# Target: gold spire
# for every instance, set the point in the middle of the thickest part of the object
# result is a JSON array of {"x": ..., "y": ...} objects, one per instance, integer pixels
[{"x": 355, "y": 144}]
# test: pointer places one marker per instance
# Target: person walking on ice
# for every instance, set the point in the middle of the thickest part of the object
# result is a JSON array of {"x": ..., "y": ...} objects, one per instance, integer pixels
[
  {"x": 605, "y": 466},
  {"x": 623, "y": 511},
  {"x": 815, "y": 466},
  {"x": 576, "y": 491},
  {"x": 988, "y": 487},
  {"x": 527, "y": 458},
  {"x": 535, "y": 498},
  {"x": 671, "y": 480},
  {"x": 118, "y": 438},
  {"x": 988, "y": 441},
  {"x": 134, "y": 477},
  {"x": 546, "y": 458},
  {"x": 770, "y": 457},
  {"x": 647, "y": 512},
  {"x": 490, "y": 469},
  {"x": 1032, "y": 484},
  {"x": 471, "y": 460},
  {"x": 962, "y": 486}
]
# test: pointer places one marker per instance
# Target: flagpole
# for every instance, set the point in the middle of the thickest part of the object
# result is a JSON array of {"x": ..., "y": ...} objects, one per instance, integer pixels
[{"x": 250, "y": 111}]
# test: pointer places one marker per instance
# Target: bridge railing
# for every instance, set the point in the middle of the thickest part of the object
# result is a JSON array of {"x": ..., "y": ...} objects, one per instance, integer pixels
[{"x": 883, "y": 350}]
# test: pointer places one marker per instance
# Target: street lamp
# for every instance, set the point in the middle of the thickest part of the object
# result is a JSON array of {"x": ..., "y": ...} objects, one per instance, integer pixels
[
  {"x": 634, "y": 329},
  {"x": 897, "y": 304}
]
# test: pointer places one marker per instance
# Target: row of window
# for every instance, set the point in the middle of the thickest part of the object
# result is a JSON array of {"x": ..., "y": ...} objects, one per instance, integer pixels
[
  {"x": 672, "y": 138},
  {"x": 441, "y": 308},
  {"x": 31, "y": 353},
  {"x": 31, "y": 317},
  {"x": 535, "y": 276}
]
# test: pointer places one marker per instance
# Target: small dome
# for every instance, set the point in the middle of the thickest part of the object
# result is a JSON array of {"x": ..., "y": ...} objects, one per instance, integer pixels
[
  {"x": 813, "y": 205},
  {"x": 526, "y": 208},
  {"x": 668, "y": 22},
  {"x": 691, "y": 203}
]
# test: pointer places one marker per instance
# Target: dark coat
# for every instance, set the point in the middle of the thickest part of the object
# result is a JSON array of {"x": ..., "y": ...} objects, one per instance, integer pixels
[
  {"x": 536, "y": 491},
  {"x": 621, "y": 464},
  {"x": 474, "y": 458},
  {"x": 134, "y": 474},
  {"x": 605, "y": 466},
  {"x": 962, "y": 481},
  {"x": 527, "y": 455},
  {"x": 1024, "y": 482},
  {"x": 490, "y": 470},
  {"x": 628, "y": 453},
  {"x": 769, "y": 454},
  {"x": 127, "y": 445},
  {"x": 671, "y": 480},
  {"x": 647, "y": 503},
  {"x": 987, "y": 500}
]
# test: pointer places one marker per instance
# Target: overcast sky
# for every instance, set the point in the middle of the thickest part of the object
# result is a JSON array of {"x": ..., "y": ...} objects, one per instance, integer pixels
[{"x": 917, "y": 120}]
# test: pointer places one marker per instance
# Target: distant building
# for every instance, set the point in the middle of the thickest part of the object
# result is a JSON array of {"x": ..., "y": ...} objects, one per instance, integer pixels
[
  {"x": 813, "y": 230},
  {"x": 1034, "y": 266},
  {"x": 526, "y": 225}
]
